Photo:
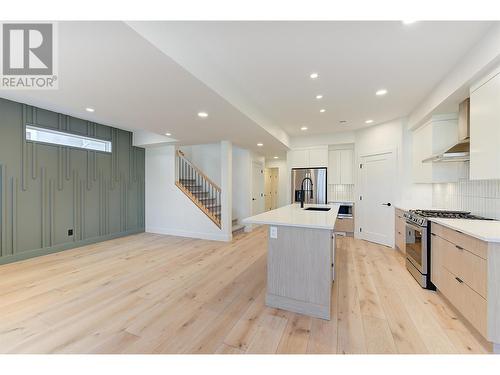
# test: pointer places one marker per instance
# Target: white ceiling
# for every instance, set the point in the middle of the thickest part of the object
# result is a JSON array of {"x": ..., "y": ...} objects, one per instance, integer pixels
[
  {"x": 132, "y": 85},
  {"x": 251, "y": 77},
  {"x": 263, "y": 67}
]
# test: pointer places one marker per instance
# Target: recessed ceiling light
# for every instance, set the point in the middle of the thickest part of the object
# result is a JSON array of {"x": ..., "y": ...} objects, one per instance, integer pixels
[
  {"x": 381, "y": 92},
  {"x": 202, "y": 114},
  {"x": 260, "y": 144},
  {"x": 304, "y": 128},
  {"x": 275, "y": 157},
  {"x": 88, "y": 109},
  {"x": 319, "y": 96},
  {"x": 368, "y": 121},
  {"x": 168, "y": 134},
  {"x": 314, "y": 75},
  {"x": 408, "y": 22},
  {"x": 322, "y": 110}
]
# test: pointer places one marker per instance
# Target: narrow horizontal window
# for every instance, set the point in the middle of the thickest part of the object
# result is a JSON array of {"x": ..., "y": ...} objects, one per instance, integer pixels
[{"x": 43, "y": 135}]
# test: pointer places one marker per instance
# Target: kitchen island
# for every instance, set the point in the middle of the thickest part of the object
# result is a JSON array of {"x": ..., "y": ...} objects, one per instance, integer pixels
[{"x": 300, "y": 259}]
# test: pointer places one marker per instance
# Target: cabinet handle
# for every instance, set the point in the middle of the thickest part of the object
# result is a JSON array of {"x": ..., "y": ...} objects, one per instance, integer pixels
[
  {"x": 433, "y": 234},
  {"x": 459, "y": 247},
  {"x": 459, "y": 280}
]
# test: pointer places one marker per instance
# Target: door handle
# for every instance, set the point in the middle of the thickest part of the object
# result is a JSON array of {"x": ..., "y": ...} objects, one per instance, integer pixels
[
  {"x": 386, "y": 204},
  {"x": 253, "y": 199}
]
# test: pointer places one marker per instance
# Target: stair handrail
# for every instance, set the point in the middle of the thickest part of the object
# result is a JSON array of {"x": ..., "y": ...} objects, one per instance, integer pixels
[{"x": 181, "y": 155}]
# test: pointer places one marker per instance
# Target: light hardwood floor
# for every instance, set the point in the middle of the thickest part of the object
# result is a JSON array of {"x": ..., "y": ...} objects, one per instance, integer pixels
[{"x": 159, "y": 294}]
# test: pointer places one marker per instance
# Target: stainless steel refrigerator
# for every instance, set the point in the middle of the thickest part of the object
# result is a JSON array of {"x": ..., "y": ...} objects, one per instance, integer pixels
[{"x": 315, "y": 194}]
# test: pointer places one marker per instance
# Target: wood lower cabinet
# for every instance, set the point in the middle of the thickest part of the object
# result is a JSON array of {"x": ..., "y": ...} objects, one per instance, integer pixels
[
  {"x": 344, "y": 224},
  {"x": 467, "y": 272},
  {"x": 400, "y": 230}
]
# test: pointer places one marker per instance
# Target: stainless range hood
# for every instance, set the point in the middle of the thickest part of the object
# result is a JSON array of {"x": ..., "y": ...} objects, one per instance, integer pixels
[{"x": 460, "y": 151}]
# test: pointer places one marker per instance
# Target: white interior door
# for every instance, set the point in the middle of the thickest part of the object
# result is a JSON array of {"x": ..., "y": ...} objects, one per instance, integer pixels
[
  {"x": 377, "y": 176},
  {"x": 257, "y": 188}
]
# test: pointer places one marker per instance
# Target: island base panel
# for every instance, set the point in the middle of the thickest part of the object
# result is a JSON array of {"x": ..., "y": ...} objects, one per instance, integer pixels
[
  {"x": 300, "y": 307},
  {"x": 299, "y": 270}
]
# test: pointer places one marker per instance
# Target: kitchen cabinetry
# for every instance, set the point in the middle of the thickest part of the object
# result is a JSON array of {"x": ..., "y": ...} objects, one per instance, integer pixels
[
  {"x": 308, "y": 157},
  {"x": 341, "y": 167},
  {"x": 400, "y": 229},
  {"x": 485, "y": 128},
  {"x": 465, "y": 270},
  {"x": 432, "y": 138}
]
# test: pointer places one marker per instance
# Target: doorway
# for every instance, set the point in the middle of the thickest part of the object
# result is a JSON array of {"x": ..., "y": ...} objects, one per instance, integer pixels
[
  {"x": 271, "y": 184},
  {"x": 377, "y": 177},
  {"x": 257, "y": 188}
]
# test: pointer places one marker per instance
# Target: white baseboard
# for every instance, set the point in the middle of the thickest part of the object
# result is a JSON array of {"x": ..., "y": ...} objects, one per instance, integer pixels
[{"x": 182, "y": 233}]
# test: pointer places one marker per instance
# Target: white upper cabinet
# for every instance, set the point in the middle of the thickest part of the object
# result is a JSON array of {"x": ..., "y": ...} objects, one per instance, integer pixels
[
  {"x": 298, "y": 158},
  {"x": 308, "y": 157},
  {"x": 485, "y": 129},
  {"x": 318, "y": 157},
  {"x": 430, "y": 139},
  {"x": 341, "y": 167}
]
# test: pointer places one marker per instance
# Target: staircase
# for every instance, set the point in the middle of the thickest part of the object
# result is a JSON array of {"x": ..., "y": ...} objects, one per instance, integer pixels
[
  {"x": 237, "y": 228},
  {"x": 202, "y": 191}
]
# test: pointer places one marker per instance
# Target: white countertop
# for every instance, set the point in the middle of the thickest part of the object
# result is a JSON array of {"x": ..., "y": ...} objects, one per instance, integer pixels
[
  {"x": 485, "y": 230},
  {"x": 294, "y": 216}
]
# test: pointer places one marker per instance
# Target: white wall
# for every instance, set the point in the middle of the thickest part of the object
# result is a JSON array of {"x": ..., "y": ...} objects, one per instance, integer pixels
[
  {"x": 283, "y": 182},
  {"x": 168, "y": 210},
  {"x": 242, "y": 184},
  {"x": 207, "y": 157}
]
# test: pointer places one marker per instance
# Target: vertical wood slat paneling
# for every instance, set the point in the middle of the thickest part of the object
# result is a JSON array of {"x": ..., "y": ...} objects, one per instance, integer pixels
[
  {"x": 43, "y": 193},
  {"x": 51, "y": 212},
  {"x": 53, "y": 171},
  {"x": 24, "y": 156},
  {"x": 94, "y": 153},
  {"x": 115, "y": 154},
  {"x": 67, "y": 151},
  {"x": 3, "y": 211},
  {"x": 34, "y": 161},
  {"x": 76, "y": 228},
  {"x": 101, "y": 201},
  {"x": 60, "y": 156},
  {"x": 108, "y": 208},
  {"x": 83, "y": 192},
  {"x": 14, "y": 186}
]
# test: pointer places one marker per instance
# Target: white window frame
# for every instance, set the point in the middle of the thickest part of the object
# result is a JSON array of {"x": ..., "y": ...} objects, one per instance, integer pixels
[{"x": 59, "y": 138}]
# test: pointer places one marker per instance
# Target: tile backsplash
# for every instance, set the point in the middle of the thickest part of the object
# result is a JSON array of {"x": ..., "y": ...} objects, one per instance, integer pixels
[
  {"x": 479, "y": 197},
  {"x": 341, "y": 193}
]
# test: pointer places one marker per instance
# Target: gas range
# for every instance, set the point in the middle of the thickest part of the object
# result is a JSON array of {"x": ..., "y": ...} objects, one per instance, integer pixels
[
  {"x": 420, "y": 217},
  {"x": 418, "y": 240}
]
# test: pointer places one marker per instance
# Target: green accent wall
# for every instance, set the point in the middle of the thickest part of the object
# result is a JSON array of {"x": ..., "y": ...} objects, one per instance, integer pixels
[{"x": 48, "y": 190}]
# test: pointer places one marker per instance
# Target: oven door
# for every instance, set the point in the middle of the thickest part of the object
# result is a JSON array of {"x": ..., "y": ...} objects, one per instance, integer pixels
[{"x": 416, "y": 246}]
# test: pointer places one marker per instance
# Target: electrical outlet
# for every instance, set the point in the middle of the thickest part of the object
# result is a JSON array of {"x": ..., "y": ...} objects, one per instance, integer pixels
[
  {"x": 273, "y": 232},
  {"x": 70, "y": 232}
]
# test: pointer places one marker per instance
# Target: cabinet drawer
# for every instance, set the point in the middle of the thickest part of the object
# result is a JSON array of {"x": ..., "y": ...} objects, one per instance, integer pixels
[
  {"x": 469, "y": 243},
  {"x": 401, "y": 240},
  {"x": 344, "y": 224},
  {"x": 470, "y": 304},
  {"x": 467, "y": 266}
]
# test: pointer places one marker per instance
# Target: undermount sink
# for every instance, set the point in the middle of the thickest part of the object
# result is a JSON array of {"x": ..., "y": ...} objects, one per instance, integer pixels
[{"x": 317, "y": 208}]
